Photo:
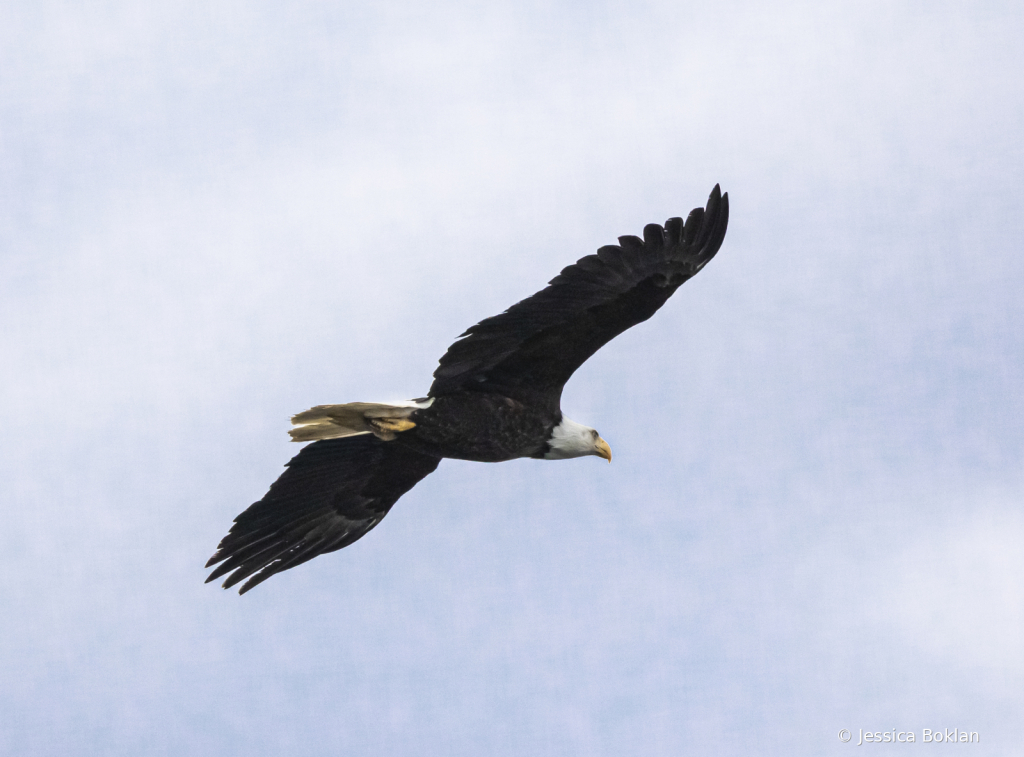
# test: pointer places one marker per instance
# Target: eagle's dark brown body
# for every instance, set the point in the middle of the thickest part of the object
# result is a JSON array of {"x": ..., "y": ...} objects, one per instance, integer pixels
[{"x": 483, "y": 427}]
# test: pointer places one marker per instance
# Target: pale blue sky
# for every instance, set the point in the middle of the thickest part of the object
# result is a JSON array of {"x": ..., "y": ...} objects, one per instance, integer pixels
[{"x": 213, "y": 216}]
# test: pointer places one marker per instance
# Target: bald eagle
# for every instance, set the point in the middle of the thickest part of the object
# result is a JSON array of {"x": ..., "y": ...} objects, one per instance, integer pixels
[{"x": 495, "y": 397}]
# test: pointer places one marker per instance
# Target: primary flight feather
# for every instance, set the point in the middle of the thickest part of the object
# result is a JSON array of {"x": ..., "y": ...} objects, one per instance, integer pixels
[{"x": 496, "y": 396}]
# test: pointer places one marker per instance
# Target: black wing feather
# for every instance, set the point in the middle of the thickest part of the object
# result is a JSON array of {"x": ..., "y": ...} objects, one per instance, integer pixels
[
  {"x": 332, "y": 493},
  {"x": 531, "y": 350}
]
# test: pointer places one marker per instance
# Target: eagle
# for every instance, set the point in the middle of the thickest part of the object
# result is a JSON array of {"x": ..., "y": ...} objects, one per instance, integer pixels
[{"x": 496, "y": 396}]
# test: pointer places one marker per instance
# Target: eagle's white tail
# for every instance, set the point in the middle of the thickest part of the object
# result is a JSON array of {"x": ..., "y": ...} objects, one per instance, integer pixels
[{"x": 336, "y": 421}]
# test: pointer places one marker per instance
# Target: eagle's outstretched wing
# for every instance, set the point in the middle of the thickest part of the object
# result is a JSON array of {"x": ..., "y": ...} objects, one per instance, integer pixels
[
  {"x": 332, "y": 493},
  {"x": 530, "y": 351}
]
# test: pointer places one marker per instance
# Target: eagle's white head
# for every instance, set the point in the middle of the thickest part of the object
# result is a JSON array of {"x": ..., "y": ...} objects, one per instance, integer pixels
[{"x": 572, "y": 439}]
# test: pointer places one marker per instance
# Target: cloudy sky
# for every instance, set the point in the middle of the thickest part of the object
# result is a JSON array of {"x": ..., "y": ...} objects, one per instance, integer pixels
[{"x": 214, "y": 215}]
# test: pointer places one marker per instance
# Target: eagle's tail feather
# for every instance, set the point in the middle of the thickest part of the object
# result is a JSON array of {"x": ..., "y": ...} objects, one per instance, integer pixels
[{"x": 383, "y": 420}]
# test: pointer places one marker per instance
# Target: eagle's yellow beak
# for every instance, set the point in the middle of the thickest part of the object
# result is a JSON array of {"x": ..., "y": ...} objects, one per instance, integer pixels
[{"x": 603, "y": 450}]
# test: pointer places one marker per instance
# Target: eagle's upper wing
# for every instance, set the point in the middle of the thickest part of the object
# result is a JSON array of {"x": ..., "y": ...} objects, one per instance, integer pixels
[
  {"x": 530, "y": 351},
  {"x": 332, "y": 493}
]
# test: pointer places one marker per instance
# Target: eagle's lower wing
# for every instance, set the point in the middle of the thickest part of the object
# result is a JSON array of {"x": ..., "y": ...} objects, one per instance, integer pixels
[
  {"x": 530, "y": 351},
  {"x": 332, "y": 493}
]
